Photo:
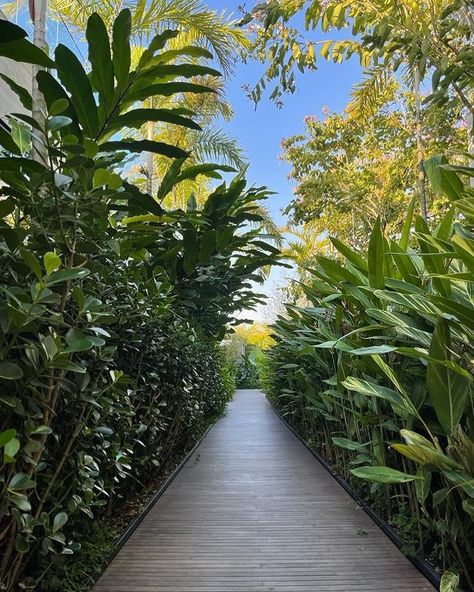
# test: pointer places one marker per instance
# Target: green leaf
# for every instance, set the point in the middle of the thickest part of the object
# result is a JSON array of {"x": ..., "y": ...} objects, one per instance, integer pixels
[
  {"x": 24, "y": 96},
  {"x": 58, "y": 106},
  {"x": 373, "y": 349},
  {"x": 66, "y": 275},
  {"x": 442, "y": 180},
  {"x": 157, "y": 43},
  {"x": 59, "y": 521},
  {"x": 423, "y": 455},
  {"x": 405, "y": 237},
  {"x": 121, "y": 56},
  {"x": 11, "y": 448},
  {"x": 75, "y": 80},
  {"x": 350, "y": 254},
  {"x": 349, "y": 444},
  {"x": 20, "y": 482},
  {"x": 422, "y": 485},
  {"x": 101, "y": 178},
  {"x": 58, "y": 122},
  {"x": 10, "y": 371},
  {"x": 6, "y": 207},
  {"x": 376, "y": 257},
  {"x": 166, "y": 90},
  {"x": 458, "y": 310},
  {"x": 20, "y": 500},
  {"x": 405, "y": 265},
  {"x": 52, "y": 262},
  {"x": 449, "y": 582},
  {"x": 137, "y": 117},
  {"x": 102, "y": 71},
  {"x": 32, "y": 263},
  {"x": 21, "y": 135},
  {"x": 6, "y": 436},
  {"x": 7, "y": 142},
  {"x": 448, "y": 390},
  {"x": 10, "y": 32},
  {"x": 42, "y": 430},
  {"x": 465, "y": 249},
  {"x": 178, "y": 70},
  {"x": 21, "y": 544},
  {"x": 383, "y": 475},
  {"x": 371, "y": 389},
  {"x": 466, "y": 482},
  {"x": 56, "y": 97},
  {"x": 78, "y": 341},
  {"x": 104, "y": 430},
  {"x": 22, "y": 50},
  {"x": 336, "y": 272},
  {"x": 144, "y": 146}
]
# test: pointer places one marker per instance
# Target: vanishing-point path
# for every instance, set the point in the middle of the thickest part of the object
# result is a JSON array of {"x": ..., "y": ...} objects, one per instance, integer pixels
[{"x": 253, "y": 511}]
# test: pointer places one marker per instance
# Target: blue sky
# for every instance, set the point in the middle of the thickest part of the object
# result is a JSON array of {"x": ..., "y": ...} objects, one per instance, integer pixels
[{"x": 260, "y": 131}]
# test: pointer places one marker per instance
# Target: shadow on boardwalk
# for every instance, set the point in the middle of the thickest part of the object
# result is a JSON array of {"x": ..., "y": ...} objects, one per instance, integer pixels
[{"x": 253, "y": 511}]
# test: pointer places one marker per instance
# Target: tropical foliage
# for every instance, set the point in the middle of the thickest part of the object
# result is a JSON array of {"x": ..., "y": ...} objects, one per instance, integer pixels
[
  {"x": 110, "y": 306},
  {"x": 376, "y": 372},
  {"x": 245, "y": 352},
  {"x": 423, "y": 35},
  {"x": 350, "y": 170}
]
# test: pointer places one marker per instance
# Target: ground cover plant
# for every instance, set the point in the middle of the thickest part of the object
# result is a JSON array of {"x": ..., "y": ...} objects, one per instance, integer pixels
[
  {"x": 111, "y": 308},
  {"x": 376, "y": 373}
]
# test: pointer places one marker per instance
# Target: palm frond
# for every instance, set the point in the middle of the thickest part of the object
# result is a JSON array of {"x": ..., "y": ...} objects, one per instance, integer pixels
[
  {"x": 214, "y": 144},
  {"x": 220, "y": 34},
  {"x": 377, "y": 88}
]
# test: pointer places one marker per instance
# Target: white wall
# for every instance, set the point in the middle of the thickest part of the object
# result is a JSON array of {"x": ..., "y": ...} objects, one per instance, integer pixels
[{"x": 21, "y": 74}]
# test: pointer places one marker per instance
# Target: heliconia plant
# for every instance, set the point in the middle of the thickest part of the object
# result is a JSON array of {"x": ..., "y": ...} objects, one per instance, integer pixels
[{"x": 377, "y": 373}]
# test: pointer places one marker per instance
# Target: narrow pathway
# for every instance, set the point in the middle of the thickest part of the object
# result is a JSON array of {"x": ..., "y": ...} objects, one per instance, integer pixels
[{"x": 253, "y": 511}]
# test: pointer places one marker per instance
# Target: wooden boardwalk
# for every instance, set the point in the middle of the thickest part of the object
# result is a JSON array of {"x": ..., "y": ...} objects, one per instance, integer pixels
[{"x": 253, "y": 511}]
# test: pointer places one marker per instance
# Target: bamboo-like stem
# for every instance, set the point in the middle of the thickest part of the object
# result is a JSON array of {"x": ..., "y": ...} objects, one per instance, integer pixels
[{"x": 419, "y": 145}]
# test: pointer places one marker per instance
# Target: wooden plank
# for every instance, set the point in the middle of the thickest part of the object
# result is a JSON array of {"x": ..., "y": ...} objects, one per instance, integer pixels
[{"x": 253, "y": 511}]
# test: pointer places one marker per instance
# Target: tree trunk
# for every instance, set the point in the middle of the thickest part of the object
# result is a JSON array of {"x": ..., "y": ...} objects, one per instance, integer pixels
[
  {"x": 38, "y": 15},
  {"x": 420, "y": 150}
]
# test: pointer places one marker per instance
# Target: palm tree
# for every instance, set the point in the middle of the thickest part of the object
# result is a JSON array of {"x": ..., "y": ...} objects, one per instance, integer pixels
[
  {"x": 38, "y": 16},
  {"x": 198, "y": 26}
]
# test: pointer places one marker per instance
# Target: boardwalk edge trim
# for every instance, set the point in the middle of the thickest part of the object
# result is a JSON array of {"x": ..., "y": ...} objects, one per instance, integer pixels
[
  {"x": 421, "y": 564},
  {"x": 135, "y": 522}
]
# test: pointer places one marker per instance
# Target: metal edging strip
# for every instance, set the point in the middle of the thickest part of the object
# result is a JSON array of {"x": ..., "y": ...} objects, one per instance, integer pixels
[
  {"x": 423, "y": 566},
  {"x": 123, "y": 538}
]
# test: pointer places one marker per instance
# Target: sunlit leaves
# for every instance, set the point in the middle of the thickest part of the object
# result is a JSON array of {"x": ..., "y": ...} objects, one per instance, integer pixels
[{"x": 383, "y": 475}]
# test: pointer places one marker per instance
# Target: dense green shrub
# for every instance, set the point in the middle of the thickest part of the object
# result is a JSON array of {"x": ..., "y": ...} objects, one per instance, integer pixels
[
  {"x": 377, "y": 373},
  {"x": 109, "y": 306},
  {"x": 246, "y": 368}
]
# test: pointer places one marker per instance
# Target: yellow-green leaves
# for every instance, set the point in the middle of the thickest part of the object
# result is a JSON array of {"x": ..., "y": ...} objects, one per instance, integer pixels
[
  {"x": 52, "y": 262},
  {"x": 383, "y": 475},
  {"x": 103, "y": 177},
  {"x": 449, "y": 582},
  {"x": 420, "y": 450}
]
